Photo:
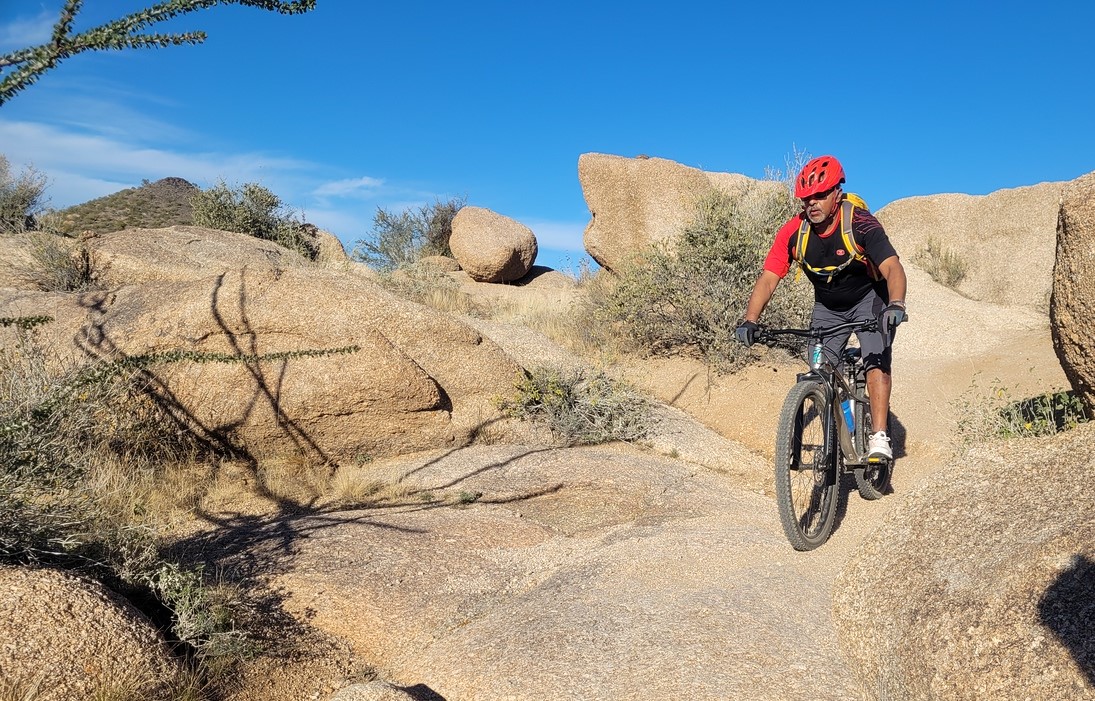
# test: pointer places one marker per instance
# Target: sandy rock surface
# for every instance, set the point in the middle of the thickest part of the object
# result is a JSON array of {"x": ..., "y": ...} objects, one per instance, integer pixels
[
  {"x": 70, "y": 639},
  {"x": 592, "y": 572},
  {"x": 1074, "y": 285},
  {"x": 182, "y": 253},
  {"x": 1005, "y": 238},
  {"x": 361, "y": 371}
]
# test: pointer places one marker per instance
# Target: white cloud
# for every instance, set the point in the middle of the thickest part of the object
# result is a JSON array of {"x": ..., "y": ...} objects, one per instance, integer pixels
[
  {"x": 83, "y": 163},
  {"x": 111, "y": 147},
  {"x": 352, "y": 187},
  {"x": 66, "y": 189},
  {"x": 27, "y": 31}
]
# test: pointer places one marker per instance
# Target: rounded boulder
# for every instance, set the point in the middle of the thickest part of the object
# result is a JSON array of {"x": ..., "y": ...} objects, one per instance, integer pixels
[{"x": 491, "y": 247}]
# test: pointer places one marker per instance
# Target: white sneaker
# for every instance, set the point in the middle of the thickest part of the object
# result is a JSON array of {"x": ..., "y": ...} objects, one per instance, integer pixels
[{"x": 878, "y": 446}]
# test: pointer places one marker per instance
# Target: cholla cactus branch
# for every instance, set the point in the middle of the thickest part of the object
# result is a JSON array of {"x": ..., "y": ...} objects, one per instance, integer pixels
[{"x": 25, "y": 66}]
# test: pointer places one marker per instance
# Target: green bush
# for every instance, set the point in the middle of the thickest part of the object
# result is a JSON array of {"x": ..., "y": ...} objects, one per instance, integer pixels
[
  {"x": 397, "y": 240},
  {"x": 254, "y": 210},
  {"x": 689, "y": 295},
  {"x": 21, "y": 198},
  {"x": 997, "y": 414},
  {"x": 944, "y": 265},
  {"x": 580, "y": 407}
]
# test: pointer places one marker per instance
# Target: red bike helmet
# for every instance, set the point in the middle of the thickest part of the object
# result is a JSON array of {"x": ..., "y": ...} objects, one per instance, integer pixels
[{"x": 819, "y": 175}]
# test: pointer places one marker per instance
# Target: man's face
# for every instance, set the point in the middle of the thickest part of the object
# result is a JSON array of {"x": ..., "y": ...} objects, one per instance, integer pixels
[{"x": 821, "y": 206}]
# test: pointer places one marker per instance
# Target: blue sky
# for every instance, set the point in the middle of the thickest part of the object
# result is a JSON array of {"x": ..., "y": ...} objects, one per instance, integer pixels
[{"x": 360, "y": 105}]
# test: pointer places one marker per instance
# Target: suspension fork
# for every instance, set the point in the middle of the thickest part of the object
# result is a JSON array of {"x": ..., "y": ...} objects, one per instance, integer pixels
[{"x": 833, "y": 435}]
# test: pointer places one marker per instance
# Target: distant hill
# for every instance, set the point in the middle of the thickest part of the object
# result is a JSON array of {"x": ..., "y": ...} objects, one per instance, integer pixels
[{"x": 152, "y": 205}]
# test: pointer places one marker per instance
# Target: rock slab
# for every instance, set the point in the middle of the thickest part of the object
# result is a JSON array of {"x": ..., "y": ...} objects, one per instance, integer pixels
[
  {"x": 981, "y": 584},
  {"x": 635, "y": 202},
  {"x": 1074, "y": 287}
]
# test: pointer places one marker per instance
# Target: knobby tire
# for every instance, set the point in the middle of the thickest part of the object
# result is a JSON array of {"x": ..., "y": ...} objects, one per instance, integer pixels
[
  {"x": 806, "y": 475},
  {"x": 872, "y": 480}
]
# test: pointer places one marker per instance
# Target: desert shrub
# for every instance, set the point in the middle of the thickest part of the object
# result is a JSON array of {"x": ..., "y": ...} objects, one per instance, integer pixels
[
  {"x": 943, "y": 264},
  {"x": 580, "y": 407},
  {"x": 21, "y": 198},
  {"x": 79, "y": 448},
  {"x": 997, "y": 414},
  {"x": 254, "y": 210},
  {"x": 56, "y": 264},
  {"x": 402, "y": 239},
  {"x": 687, "y": 296}
]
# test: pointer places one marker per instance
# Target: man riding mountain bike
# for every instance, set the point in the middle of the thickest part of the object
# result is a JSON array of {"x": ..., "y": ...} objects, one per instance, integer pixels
[{"x": 856, "y": 273}]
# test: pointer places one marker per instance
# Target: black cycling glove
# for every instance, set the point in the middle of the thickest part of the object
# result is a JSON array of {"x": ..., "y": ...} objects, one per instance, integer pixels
[
  {"x": 890, "y": 319},
  {"x": 747, "y": 333}
]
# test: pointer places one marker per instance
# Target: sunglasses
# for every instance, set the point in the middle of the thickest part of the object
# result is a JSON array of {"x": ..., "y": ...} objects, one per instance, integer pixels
[{"x": 817, "y": 196}]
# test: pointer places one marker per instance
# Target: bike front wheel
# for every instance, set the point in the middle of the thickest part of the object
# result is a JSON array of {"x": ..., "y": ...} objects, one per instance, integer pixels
[{"x": 806, "y": 479}]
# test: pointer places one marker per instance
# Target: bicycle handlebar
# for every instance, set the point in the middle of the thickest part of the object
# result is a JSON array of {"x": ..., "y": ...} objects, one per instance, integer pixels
[{"x": 765, "y": 334}]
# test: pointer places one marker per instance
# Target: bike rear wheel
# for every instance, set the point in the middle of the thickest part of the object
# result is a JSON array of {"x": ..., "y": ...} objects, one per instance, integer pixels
[
  {"x": 806, "y": 479},
  {"x": 873, "y": 479}
]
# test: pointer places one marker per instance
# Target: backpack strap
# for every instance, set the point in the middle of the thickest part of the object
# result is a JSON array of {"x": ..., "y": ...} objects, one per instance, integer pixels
[
  {"x": 846, "y": 233},
  {"x": 846, "y": 213},
  {"x": 847, "y": 210}
]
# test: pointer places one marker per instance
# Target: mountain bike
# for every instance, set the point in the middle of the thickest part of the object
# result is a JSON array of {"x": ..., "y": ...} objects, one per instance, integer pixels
[{"x": 822, "y": 433}]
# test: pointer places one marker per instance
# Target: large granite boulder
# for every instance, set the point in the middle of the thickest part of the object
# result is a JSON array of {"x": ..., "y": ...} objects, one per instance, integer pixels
[
  {"x": 177, "y": 253},
  {"x": 1074, "y": 287},
  {"x": 490, "y": 247},
  {"x": 282, "y": 359},
  {"x": 635, "y": 202},
  {"x": 73, "y": 639},
  {"x": 1006, "y": 239},
  {"x": 981, "y": 584}
]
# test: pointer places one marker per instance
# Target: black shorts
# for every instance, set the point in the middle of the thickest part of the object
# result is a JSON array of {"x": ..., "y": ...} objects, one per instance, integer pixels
[{"x": 876, "y": 352}]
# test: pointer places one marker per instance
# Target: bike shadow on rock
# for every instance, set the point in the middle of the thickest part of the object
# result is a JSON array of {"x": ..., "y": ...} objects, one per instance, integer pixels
[
  {"x": 898, "y": 436},
  {"x": 847, "y": 485}
]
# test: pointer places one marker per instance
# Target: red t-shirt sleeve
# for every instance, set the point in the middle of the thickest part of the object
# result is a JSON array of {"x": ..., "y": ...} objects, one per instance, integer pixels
[{"x": 780, "y": 255}]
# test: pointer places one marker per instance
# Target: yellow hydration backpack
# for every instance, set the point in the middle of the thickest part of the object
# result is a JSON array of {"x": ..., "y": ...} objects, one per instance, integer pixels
[{"x": 847, "y": 205}]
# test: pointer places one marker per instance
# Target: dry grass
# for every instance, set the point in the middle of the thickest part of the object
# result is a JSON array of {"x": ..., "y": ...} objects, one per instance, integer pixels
[
  {"x": 294, "y": 478},
  {"x": 86, "y": 455},
  {"x": 361, "y": 487},
  {"x": 115, "y": 685},
  {"x": 55, "y": 263}
]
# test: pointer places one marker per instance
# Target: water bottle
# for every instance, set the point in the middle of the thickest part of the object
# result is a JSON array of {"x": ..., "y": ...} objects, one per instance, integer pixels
[{"x": 849, "y": 419}]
